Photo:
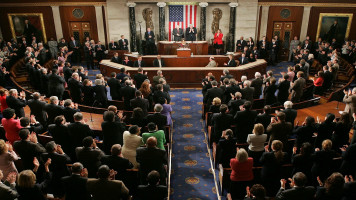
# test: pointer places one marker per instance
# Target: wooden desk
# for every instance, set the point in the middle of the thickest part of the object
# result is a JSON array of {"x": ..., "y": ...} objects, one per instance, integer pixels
[
  {"x": 320, "y": 110},
  {"x": 170, "y": 47},
  {"x": 191, "y": 61},
  {"x": 184, "y": 52},
  {"x": 188, "y": 77}
]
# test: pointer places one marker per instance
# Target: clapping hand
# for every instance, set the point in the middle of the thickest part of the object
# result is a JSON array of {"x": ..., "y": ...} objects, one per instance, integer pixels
[
  {"x": 11, "y": 177},
  {"x": 319, "y": 181},
  {"x": 349, "y": 179},
  {"x": 9, "y": 146},
  {"x": 84, "y": 173},
  {"x": 112, "y": 174},
  {"x": 283, "y": 183},
  {"x": 33, "y": 137}
]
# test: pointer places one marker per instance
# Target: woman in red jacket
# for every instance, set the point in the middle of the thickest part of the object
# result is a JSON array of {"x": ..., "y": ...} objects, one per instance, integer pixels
[
  {"x": 3, "y": 94},
  {"x": 11, "y": 125},
  {"x": 318, "y": 83},
  {"x": 241, "y": 175},
  {"x": 218, "y": 43}
]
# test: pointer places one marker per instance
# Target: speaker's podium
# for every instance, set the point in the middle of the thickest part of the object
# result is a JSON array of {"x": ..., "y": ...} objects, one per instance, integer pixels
[{"x": 184, "y": 52}]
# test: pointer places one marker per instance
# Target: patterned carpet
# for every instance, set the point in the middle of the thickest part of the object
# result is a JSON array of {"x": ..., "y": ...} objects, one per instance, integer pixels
[{"x": 191, "y": 177}]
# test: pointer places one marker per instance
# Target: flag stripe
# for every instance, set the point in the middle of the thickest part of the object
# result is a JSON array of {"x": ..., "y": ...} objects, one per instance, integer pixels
[{"x": 182, "y": 16}]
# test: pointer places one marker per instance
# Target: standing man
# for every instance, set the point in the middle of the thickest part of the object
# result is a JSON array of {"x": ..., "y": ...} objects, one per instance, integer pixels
[
  {"x": 293, "y": 45},
  {"x": 88, "y": 52},
  {"x": 100, "y": 51},
  {"x": 240, "y": 44},
  {"x": 273, "y": 51},
  {"x": 350, "y": 100},
  {"x": 74, "y": 46},
  {"x": 191, "y": 33},
  {"x": 150, "y": 42},
  {"x": 113, "y": 45},
  {"x": 297, "y": 87},
  {"x": 123, "y": 43},
  {"x": 177, "y": 34},
  {"x": 53, "y": 48}
]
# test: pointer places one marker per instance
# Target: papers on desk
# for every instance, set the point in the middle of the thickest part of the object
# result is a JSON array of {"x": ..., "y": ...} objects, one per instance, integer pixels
[{"x": 183, "y": 48}]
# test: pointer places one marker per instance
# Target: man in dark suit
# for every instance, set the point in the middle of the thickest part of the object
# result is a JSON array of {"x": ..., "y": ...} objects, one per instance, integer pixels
[
  {"x": 100, "y": 51},
  {"x": 243, "y": 60},
  {"x": 157, "y": 118},
  {"x": 69, "y": 110},
  {"x": 123, "y": 43},
  {"x": 235, "y": 103},
  {"x": 221, "y": 121},
  {"x": 279, "y": 130},
  {"x": 139, "y": 62},
  {"x": 307, "y": 46},
  {"x": 53, "y": 109},
  {"x": 28, "y": 148},
  {"x": 75, "y": 88},
  {"x": 112, "y": 130},
  {"x": 212, "y": 93},
  {"x": 327, "y": 78},
  {"x": 120, "y": 76},
  {"x": 117, "y": 162},
  {"x": 158, "y": 62},
  {"x": 298, "y": 189},
  {"x": 257, "y": 84},
  {"x": 273, "y": 51},
  {"x": 115, "y": 87},
  {"x": 177, "y": 34},
  {"x": 240, "y": 44},
  {"x": 67, "y": 71},
  {"x": 231, "y": 62},
  {"x": 265, "y": 117},
  {"x": 140, "y": 102},
  {"x": 75, "y": 186},
  {"x": 161, "y": 93},
  {"x": 140, "y": 77},
  {"x": 56, "y": 84},
  {"x": 62, "y": 43},
  {"x": 150, "y": 42},
  {"x": 74, "y": 46},
  {"x": 78, "y": 131},
  {"x": 191, "y": 33},
  {"x": 244, "y": 120},
  {"x": 60, "y": 133},
  {"x": 17, "y": 102},
  {"x": 290, "y": 113},
  {"x": 283, "y": 89},
  {"x": 116, "y": 59},
  {"x": 226, "y": 74},
  {"x": 58, "y": 166},
  {"x": 105, "y": 187},
  {"x": 151, "y": 158},
  {"x": 29, "y": 30},
  {"x": 297, "y": 87},
  {"x": 90, "y": 155},
  {"x": 113, "y": 45},
  {"x": 37, "y": 106},
  {"x": 156, "y": 191},
  {"x": 247, "y": 91},
  {"x": 89, "y": 55},
  {"x": 127, "y": 93}
]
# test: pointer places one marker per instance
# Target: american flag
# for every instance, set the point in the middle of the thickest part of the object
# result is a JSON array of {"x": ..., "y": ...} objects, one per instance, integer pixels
[{"x": 182, "y": 15}]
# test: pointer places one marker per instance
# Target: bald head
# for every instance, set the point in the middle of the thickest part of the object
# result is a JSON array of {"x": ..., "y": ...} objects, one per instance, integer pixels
[{"x": 151, "y": 142}]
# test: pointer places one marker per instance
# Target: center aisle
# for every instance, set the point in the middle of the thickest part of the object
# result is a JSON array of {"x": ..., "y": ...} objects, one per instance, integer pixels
[{"x": 191, "y": 177}]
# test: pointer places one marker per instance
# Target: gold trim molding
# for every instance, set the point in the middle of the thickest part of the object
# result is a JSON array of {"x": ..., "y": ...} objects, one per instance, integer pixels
[
  {"x": 307, "y": 4},
  {"x": 54, "y": 4},
  {"x": 350, "y": 16},
  {"x": 40, "y": 15}
]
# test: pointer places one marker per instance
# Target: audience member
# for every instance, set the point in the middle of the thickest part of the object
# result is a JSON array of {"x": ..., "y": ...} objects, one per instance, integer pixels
[
  {"x": 244, "y": 121},
  {"x": 157, "y": 118},
  {"x": 132, "y": 141},
  {"x": 112, "y": 131},
  {"x": 226, "y": 148},
  {"x": 298, "y": 189},
  {"x": 256, "y": 142},
  {"x": 17, "y": 102},
  {"x": 11, "y": 125},
  {"x": 7, "y": 158},
  {"x": 154, "y": 189},
  {"x": 153, "y": 132},
  {"x": 75, "y": 185}
]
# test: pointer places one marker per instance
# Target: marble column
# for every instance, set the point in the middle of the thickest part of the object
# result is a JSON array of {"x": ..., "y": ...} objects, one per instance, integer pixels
[
  {"x": 100, "y": 23},
  {"x": 305, "y": 23},
  {"x": 57, "y": 22},
  {"x": 264, "y": 22},
  {"x": 162, "y": 20},
  {"x": 203, "y": 6},
  {"x": 132, "y": 20},
  {"x": 230, "y": 44}
]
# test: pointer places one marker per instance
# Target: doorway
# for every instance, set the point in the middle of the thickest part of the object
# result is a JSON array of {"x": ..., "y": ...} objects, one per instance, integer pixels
[
  {"x": 80, "y": 30},
  {"x": 284, "y": 31}
]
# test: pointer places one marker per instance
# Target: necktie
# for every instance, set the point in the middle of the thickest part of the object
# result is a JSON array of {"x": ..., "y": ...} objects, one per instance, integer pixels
[{"x": 139, "y": 63}]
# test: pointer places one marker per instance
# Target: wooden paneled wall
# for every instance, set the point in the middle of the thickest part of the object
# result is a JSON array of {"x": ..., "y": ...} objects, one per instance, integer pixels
[
  {"x": 314, "y": 20},
  {"x": 47, "y": 17},
  {"x": 67, "y": 16},
  {"x": 274, "y": 16}
]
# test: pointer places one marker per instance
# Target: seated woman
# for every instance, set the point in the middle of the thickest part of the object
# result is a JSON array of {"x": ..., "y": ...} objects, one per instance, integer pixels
[
  {"x": 7, "y": 158},
  {"x": 241, "y": 175},
  {"x": 167, "y": 109},
  {"x": 332, "y": 189},
  {"x": 138, "y": 118},
  {"x": 256, "y": 142},
  {"x": 127, "y": 62},
  {"x": 318, "y": 83},
  {"x": 215, "y": 107},
  {"x": 226, "y": 148},
  {"x": 272, "y": 162}
]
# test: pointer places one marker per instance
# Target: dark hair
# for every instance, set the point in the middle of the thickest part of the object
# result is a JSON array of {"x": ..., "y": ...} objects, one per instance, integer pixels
[
  {"x": 278, "y": 150},
  {"x": 151, "y": 126},
  {"x": 50, "y": 147},
  {"x": 161, "y": 100},
  {"x": 159, "y": 87},
  {"x": 24, "y": 121},
  {"x": 58, "y": 120},
  {"x": 229, "y": 134},
  {"x": 133, "y": 129},
  {"x": 138, "y": 93},
  {"x": 103, "y": 172},
  {"x": 113, "y": 74},
  {"x": 137, "y": 113},
  {"x": 24, "y": 133},
  {"x": 87, "y": 141},
  {"x": 309, "y": 121},
  {"x": 258, "y": 191},
  {"x": 122, "y": 70},
  {"x": 247, "y": 105},
  {"x": 329, "y": 118},
  {"x": 223, "y": 108},
  {"x": 8, "y": 113},
  {"x": 267, "y": 109},
  {"x": 116, "y": 149},
  {"x": 300, "y": 179},
  {"x": 286, "y": 76},
  {"x": 345, "y": 118},
  {"x": 109, "y": 116},
  {"x": 306, "y": 149},
  {"x": 77, "y": 167},
  {"x": 153, "y": 177},
  {"x": 281, "y": 116},
  {"x": 334, "y": 185}
]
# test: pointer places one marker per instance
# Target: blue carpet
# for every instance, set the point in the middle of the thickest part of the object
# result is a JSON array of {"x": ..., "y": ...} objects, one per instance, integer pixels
[{"x": 191, "y": 165}]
